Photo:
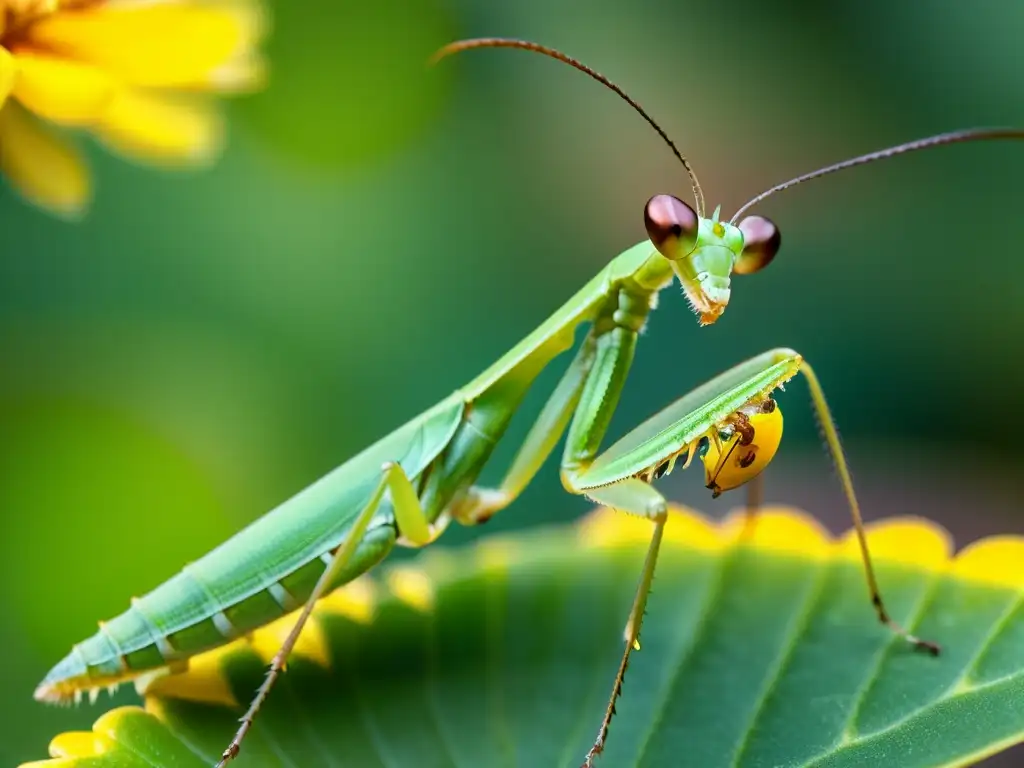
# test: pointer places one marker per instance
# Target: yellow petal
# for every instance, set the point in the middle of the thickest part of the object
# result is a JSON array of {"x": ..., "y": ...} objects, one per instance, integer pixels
[
  {"x": 42, "y": 166},
  {"x": 61, "y": 90},
  {"x": 246, "y": 70},
  {"x": 7, "y": 70},
  {"x": 158, "y": 128},
  {"x": 243, "y": 74},
  {"x": 149, "y": 44},
  {"x": 908, "y": 540},
  {"x": 79, "y": 744},
  {"x": 23, "y": 8}
]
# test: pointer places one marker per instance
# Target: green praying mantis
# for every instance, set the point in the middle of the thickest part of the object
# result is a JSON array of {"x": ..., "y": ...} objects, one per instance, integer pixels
[{"x": 406, "y": 488}]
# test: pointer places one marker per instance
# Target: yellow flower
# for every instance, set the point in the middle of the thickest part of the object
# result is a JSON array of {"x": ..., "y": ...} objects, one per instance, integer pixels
[{"x": 139, "y": 75}]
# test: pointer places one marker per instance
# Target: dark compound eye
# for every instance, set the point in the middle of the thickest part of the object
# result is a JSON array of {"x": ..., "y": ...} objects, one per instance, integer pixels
[
  {"x": 761, "y": 241},
  {"x": 672, "y": 226}
]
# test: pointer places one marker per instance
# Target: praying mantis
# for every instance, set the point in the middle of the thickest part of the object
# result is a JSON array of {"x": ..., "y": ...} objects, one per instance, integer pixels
[{"x": 406, "y": 488}]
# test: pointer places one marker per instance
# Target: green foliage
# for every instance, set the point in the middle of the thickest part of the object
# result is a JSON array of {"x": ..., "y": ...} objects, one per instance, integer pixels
[
  {"x": 349, "y": 85},
  {"x": 758, "y": 650}
]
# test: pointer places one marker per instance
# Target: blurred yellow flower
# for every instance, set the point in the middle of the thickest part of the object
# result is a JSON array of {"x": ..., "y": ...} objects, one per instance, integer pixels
[{"x": 139, "y": 75}]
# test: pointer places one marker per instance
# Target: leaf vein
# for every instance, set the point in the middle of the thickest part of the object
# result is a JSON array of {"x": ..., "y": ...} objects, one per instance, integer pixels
[
  {"x": 997, "y": 629},
  {"x": 889, "y": 729},
  {"x": 874, "y": 673},
  {"x": 798, "y": 629},
  {"x": 714, "y": 592}
]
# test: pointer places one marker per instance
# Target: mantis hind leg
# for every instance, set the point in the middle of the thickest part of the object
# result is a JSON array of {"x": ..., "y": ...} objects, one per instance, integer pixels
[
  {"x": 414, "y": 528},
  {"x": 836, "y": 450},
  {"x": 635, "y": 497}
]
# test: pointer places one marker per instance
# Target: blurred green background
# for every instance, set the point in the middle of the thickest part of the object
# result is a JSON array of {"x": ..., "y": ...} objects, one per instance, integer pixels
[{"x": 206, "y": 343}]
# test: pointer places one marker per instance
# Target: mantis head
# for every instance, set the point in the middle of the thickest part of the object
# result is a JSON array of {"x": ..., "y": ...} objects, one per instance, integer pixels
[
  {"x": 744, "y": 447},
  {"x": 705, "y": 252}
]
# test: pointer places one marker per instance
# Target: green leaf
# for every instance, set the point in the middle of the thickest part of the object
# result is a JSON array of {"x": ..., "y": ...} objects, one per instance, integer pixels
[{"x": 760, "y": 648}]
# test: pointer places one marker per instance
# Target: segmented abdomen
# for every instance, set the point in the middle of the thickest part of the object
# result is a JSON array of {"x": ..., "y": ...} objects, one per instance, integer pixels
[{"x": 195, "y": 611}]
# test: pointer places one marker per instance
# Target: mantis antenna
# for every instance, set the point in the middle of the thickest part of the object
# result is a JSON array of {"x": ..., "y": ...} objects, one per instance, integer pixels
[
  {"x": 954, "y": 137},
  {"x": 504, "y": 42}
]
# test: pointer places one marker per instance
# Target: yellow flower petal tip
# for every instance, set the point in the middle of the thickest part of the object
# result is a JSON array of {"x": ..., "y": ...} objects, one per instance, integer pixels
[
  {"x": 494, "y": 555},
  {"x": 998, "y": 560},
  {"x": 204, "y": 681},
  {"x": 775, "y": 528},
  {"x": 687, "y": 526},
  {"x": 79, "y": 744},
  {"x": 140, "y": 76},
  {"x": 99, "y": 740},
  {"x": 609, "y": 528},
  {"x": 780, "y": 529},
  {"x": 163, "y": 130},
  {"x": 907, "y": 541},
  {"x": 412, "y": 586},
  {"x": 355, "y": 601},
  {"x": 8, "y": 71},
  {"x": 41, "y": 164},
  {"x": 311, "y": 645}
]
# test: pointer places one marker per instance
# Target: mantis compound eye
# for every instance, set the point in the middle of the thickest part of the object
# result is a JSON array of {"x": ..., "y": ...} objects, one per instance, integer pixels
[
  {"x": 761, "y": 240},
  {"x": 672, "y": 226}
]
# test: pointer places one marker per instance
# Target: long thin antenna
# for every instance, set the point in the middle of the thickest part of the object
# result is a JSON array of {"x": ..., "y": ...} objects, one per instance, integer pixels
[
  {"x": 504, "y": 42},
  {"x": 955, "y": 137}
]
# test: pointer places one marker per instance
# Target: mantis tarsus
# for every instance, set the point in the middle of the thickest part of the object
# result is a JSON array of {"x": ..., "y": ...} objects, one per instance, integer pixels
[{"x": 407, "y": 487}]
